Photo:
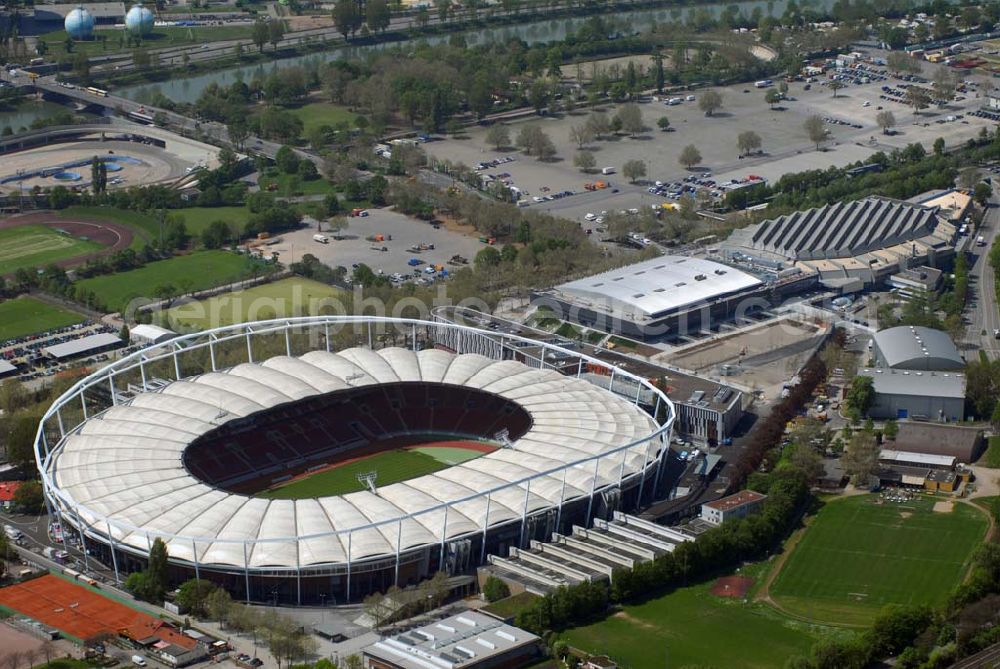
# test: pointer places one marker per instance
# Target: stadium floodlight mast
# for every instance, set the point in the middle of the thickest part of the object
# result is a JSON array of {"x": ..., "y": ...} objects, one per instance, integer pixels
[
  {"x": 503, "y": 438},
  {"x": 367, "y": 479}
]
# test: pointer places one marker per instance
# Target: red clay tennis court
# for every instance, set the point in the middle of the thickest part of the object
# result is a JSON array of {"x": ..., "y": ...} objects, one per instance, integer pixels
[
  {"x": 732, "y": 586},
  {"x": 70, "y": 608}
]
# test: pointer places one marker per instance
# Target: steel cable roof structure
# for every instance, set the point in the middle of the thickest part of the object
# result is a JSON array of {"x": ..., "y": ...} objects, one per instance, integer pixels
[{"x": 135, "y": 468}]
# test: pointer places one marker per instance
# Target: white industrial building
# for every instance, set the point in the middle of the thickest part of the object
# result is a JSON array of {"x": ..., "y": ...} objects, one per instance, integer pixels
[
  {"x": 912, "y": 347},
  {"x": 937, "y": 396},
  {"x": 668, "y": 295},
  {"x": 147, "y": 335}
]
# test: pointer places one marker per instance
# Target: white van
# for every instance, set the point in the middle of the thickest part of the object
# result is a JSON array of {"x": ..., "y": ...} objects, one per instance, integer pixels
[
  {"x": 608, "y": 170},
  {"x": 12, "y": 532},
  {"x": 322, "y": 239},
  {"x": 139, "y": 660}
]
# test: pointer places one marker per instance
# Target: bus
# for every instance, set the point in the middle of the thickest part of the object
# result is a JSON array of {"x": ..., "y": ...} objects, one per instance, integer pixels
[
  {"x": 141, "y": 117},
  {"x": 100, "y": 92}
]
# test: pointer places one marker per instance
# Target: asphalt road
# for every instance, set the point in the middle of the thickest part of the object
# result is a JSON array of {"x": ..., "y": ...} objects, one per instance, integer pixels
[{"x": 984, "y": 316}]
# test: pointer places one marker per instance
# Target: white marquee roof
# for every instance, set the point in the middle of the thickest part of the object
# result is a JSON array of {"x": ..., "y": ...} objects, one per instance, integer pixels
[{"x": 126, "y": 464}]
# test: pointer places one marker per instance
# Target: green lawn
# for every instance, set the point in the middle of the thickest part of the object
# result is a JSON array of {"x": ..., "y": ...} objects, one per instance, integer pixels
[
  {"x": 197, "y": 271},
  {"x": 198, "y": 218},
  {"x": 449, "y": 455},
  {"x": 316, "y": 114},
  {"x": 991, "y": 458},
  {"x": 288, "y": 297},
  {"x": 692, "y": 627},
  {"x": 392, "y": 467},
  {"x": 37, "y": 245},
  {"x": 858, "y": 556},
  {"x": 146, "y": 227},
  {"x": 108, "y": 40},
  {"x": 288, "y": 185},
  {"x": 26, "y": 315},
  {"x": 509, "y": 607}
]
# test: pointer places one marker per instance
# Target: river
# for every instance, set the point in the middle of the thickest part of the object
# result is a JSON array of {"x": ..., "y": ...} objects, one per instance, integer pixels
[
  {"x": 188, "y": 89},
  {"x": 21, "y": 115}
]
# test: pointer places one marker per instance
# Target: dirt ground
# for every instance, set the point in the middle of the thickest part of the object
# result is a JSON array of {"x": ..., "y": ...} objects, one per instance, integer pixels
[
  {"x": 16, "y": 641},
  {"x": 944, "y": 507}
]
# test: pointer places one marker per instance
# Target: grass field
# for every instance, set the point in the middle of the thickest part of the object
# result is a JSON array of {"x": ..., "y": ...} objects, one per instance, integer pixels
[
  {"x": 690, "y": 627},
  {"x": 198, "y": 218},
  {"x": 316, "y": 114},
  {"x": 146, "y": 227},
  {"x": 197, "y": 271},
  {"x": 288, "y": 185},
  {"x": 26, "y": 315},
  {"x": 108, "y": 40},
  {"x": 392, "y": 467},
  {"x": 287, "y": 297},
  {"x": 37, "y": 246},
  {"x": 991, "y": 458},
  {"x": 857, "y": 556}
]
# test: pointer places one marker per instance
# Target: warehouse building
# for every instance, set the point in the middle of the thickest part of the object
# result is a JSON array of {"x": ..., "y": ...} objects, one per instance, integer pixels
[
  {"x": 148, "y": 335},
  {"x": 89, "y": 345},
  {"x": 915, "y": 282},
  {"x": 965, "y": 444},
  {"x": 848, "y": 246},
  {"x": 910, "y": 347},
  {"x": 937, "y": 396},
  {"x": 665, "y": 296},
  {"x": 468, "y": 640}
]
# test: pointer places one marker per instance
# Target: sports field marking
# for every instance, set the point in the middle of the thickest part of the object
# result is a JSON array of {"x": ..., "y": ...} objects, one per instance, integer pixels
[
  {"x": 856, "y": 557},
  {"x": 393, "y": 466},
  {"x": 37, "y": 245}
]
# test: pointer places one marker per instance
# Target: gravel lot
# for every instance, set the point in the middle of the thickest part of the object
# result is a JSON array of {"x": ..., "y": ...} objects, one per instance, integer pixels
[
  {"x": 784, "y": 139},
  {"x": 404, "y": 231}
]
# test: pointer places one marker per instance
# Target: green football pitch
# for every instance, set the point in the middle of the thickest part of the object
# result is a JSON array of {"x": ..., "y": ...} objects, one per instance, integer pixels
[
  {"x": 37, "y": 246},
  {"x": 857, "y": 556},
  {"x": 287, "y": 297},
  {"x": 391, "y": 466},
  {"x": 26, "y": 315}
]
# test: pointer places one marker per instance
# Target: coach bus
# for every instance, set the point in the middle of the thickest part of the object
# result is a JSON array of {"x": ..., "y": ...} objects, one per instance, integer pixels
[
  {"x": 141, "y": 117},
  {"x": 100, "y": 92}
]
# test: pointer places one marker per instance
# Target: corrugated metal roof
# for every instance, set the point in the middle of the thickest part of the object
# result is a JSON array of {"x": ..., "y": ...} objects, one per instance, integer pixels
[
  {"x": 931, "y": 384},
  {"x": 81, "y": 345},
  {"x": 658, "y": 286},
  {"x": 915, "y": 347},
  {"x": 910, "y": 457}
]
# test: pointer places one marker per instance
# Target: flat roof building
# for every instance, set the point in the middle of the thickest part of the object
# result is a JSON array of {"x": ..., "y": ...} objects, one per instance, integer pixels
[
  {"x": 7, "y": 369},
  {"x": 738, "y": 505},
  {"x": 664, "y": 295},
  {"x": 910, "y": 347},
  {"x": 909, "y": 459},
  {"x": 469, "y": 640},
  {"x": 89, "y": 345},
  {"x": 965, "y": 444},
  {"x": 937, "y": 396}
]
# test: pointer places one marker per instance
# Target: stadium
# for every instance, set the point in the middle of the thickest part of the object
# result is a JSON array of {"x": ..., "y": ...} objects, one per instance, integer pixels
[{"x": 201, "y": 442}]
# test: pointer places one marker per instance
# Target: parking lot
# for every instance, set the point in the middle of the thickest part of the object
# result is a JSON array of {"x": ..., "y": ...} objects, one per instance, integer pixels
[
  {"x": 854, "y": 135},
  {"x": 399, "y": 238}
]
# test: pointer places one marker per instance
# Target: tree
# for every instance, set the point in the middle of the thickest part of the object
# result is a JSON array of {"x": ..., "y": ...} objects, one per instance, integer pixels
[
  {"x": 377, "y": 15},
  {"x": 862, "y": 394},
  {"x": 260, "y": 34},
  {"x": 599, "y": 123},
  {"x": 498, "y": 135},
  {"x": 835, "y": 86},
  {"x": 981, "y": 193},
  {"x": 218, "y": 604},
  {"x": 918, "y": 98},
  {"x": 28, "y": 498},
  {"x": 346, "y": 17},
  {"x": 157, "y": 569},
  {"x": 286, "y": 160},
  {"x": 805, "y": 459},
  {"x": 663, "y": 123},
  {"x": 890, "y": 429},
  {"x": 193, "y": 595},
  {"x": 885, "y": 120},
  {"x": 81, "y": 67},
  {"x": 816, "y": 130},
  {"x": 690, "y": 156},
  {"x": 581, "y": 134},
  {"x": 772, "y": 97},
  {"x": 533, "y": 140},
  {"x": 860, "y": 460},
  {"x": 631, "y": 118},
  {"x": 938, "y": 146},
  {"x": 634, "y": 170},
  {"x": 238, "y": 131},
  {"x": 275, "y": 32},
  {"x": 748, "y": 142},
  {"x": 494, "y": 589},
  {"x": 585, "y": 160},
  {"x": 943, "y": 85},
  {"x": 968, "y": 178},
  {"x": 710, "y": 102},
  {"x": 21, "y": 440}
]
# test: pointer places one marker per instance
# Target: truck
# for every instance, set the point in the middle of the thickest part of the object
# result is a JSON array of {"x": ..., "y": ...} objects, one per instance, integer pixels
[
  {"x": 607, "y": 170},
  {"x": 322, "y": 239}
]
